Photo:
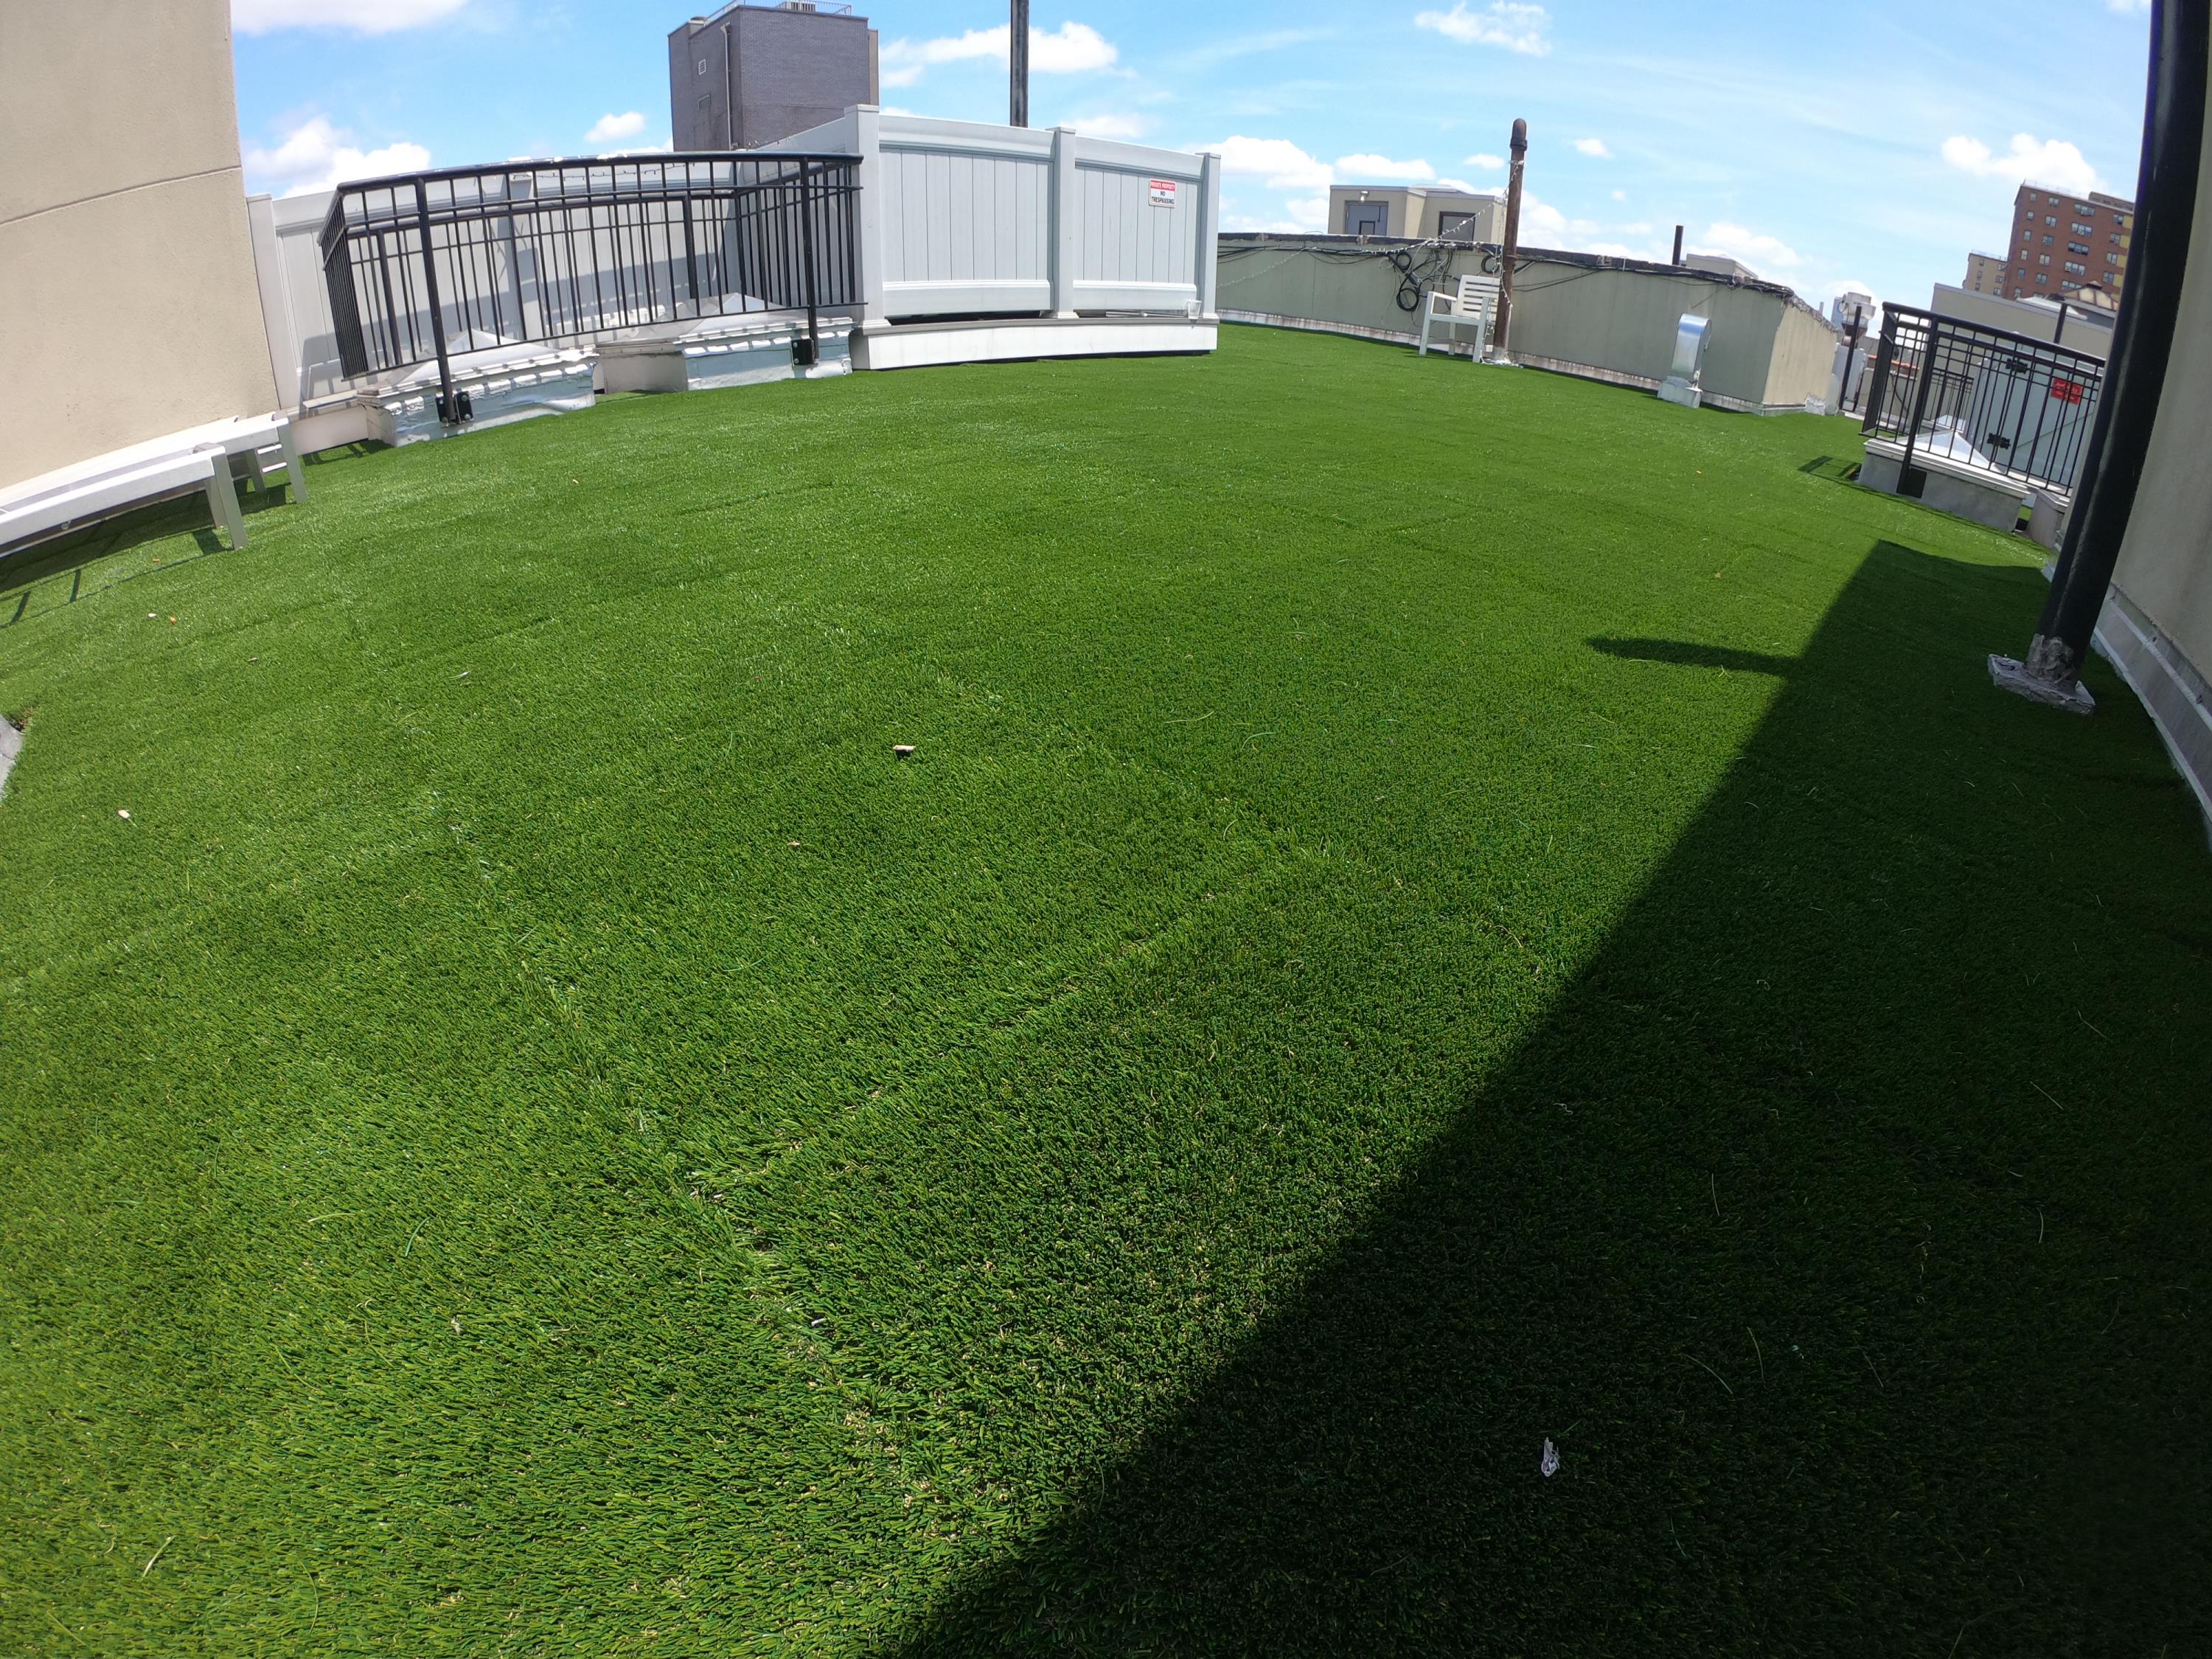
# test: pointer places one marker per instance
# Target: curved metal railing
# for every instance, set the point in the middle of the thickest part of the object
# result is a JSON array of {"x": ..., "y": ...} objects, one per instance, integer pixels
[{"x": 432, "y": 265}]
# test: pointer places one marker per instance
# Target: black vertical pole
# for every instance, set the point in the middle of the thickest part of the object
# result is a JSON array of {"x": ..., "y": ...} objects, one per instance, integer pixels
[
  {"x": 1850, "y": 355},
  {"x": 1678, "y": 245},
  {"x": 1929, "y": 337},
  {"x": 806, "y": 228},
  {"x": 447, "y": 411},
  {"x": 2135, "y": 381},
  {"x": 1017, "y": 63},
  {"x": 1885, "y": 355}
]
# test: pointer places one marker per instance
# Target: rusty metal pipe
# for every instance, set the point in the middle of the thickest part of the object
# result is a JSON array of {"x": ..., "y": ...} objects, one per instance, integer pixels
[{"x": 1502, "y": 346}]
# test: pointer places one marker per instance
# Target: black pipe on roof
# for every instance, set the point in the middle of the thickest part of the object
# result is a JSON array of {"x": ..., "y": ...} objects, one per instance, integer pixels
[{"x": 2150, "y": 307}]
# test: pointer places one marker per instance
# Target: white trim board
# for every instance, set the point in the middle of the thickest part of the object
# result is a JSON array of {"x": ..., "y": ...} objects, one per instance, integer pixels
[{"x": 922, "y": 345}]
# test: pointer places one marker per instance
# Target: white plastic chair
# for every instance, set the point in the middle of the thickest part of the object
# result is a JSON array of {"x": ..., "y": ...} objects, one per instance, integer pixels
[{"x": 1473, "y": 304}]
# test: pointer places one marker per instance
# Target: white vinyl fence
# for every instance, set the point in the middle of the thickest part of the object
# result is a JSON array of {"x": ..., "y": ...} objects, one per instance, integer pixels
[
  {"x": 295, "y": 303},
  {"x": 961, "y": 218}
]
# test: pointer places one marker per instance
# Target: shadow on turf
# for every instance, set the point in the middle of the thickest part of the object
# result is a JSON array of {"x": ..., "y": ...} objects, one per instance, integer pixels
[
  {"x": 1681, "y": 1234},
  {"x": 1697, "y": 656},
  {"x": 70, "y": 553}
]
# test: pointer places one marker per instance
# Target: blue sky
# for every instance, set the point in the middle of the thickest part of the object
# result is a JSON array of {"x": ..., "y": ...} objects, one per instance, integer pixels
[{"x": 1866, "y": 146}]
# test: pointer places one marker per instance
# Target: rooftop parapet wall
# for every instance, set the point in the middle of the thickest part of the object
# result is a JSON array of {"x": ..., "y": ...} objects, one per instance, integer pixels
[{"x": 1611, "y": 319}]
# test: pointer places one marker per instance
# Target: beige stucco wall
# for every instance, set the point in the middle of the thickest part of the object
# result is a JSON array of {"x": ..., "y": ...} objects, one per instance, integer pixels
[
  {"x": 2166, "y": 562},
  {"x": 131, "y": 306}
]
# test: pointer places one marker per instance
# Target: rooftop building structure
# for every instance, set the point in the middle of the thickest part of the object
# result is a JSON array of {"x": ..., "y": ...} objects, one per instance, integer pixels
[
  {"x": 1417, "y": 212},
  {"x": 743, "y": 77},
  {"x": 1985, "y": 273}
]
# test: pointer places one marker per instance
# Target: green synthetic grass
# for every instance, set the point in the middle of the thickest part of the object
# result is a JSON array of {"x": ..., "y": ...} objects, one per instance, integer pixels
[{"x": 1433, "y": 909}]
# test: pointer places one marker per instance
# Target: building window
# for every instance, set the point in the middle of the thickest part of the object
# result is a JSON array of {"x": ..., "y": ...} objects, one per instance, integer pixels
[
  {"x": 2112, "y": 259},
  {"x": 2081, "y": 248},
  {"x": 2076, "y": 268},
  {"x": 2046, "y": 241},
  {"x": 2049, "y": 221},
  {"x": 2040, "y": 279},
  {"x": 703, "y": 66}
]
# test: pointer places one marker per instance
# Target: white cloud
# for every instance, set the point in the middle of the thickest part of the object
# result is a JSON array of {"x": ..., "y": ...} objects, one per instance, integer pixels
[
  {"x": 1249, "y": 221},
  {"x": 2030, "y": 159},
  {"x": 1071, "y": 49},
  {"x": 1463, "y": 187},
  {"x": 1745, "y": 246},
  {"x": 1513, "y": 24},
  {"x": 1381, "y": 167},
  {"x": 2129, "y": 7},
  {"x": 608, "y": 128},
  {"x": 1112, "y": 126},
  {"x": 1309, "y": 213},
  {"x": 357, "y": 17},
  {"x": 1488, "y": 163},
  {"x": 1280, "y": 161},
  {"x": 1540, "y": 218},
  {"x": 1621, "y": 195},
  {"x": 314, "y": 156},
  {"x": 1595, "y": 147}
]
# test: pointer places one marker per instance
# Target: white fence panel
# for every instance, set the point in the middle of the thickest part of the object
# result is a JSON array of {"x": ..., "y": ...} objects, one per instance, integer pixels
[
  {"x": 295, "y": 302},
  {"x": 958, "y": 218},
  {"x": 964, "y": 223},
  {"x": 1137, "y": 230}
]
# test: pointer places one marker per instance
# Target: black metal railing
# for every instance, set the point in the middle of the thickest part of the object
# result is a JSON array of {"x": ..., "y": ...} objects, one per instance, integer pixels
[
  {"x": 1982, "y": 399},
  {"x": 433, "y": 265}
]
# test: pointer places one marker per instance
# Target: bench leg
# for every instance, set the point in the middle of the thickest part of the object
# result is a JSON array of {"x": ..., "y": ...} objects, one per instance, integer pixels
[
  {"x": 1427, "y": 317},
  {"x": 299, "y": 474},
  {"x": 222, "y": 501}
]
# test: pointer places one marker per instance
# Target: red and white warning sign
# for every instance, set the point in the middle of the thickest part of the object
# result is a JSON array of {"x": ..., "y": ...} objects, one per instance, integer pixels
[{"x": 1164, "y": 192}]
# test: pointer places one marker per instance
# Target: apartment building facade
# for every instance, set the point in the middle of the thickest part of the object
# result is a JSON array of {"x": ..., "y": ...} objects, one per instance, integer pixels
[
  {"x": 2062, "y": 243},
  {"x": 1986, "y": 274}
]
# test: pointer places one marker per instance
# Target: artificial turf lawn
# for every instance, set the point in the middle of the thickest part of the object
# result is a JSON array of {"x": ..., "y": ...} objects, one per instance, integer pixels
[{"x": 1434, "y": 909}]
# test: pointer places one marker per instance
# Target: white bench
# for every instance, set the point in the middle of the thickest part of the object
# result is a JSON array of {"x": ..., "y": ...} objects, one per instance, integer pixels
[
  {"x": 197, "y": 458},
  {"x": 1473, "y": 304}
]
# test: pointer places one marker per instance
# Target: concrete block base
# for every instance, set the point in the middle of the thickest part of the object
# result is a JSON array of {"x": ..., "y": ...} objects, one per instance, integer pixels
[
  {"x": 2010, "y": 674},
  {"x": 1985, "y": 498},
  {"x": 706, "y": 361}
]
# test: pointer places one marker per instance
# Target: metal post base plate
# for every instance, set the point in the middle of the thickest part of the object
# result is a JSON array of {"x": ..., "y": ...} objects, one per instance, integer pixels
[{"x": 2010, "y": 674}]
